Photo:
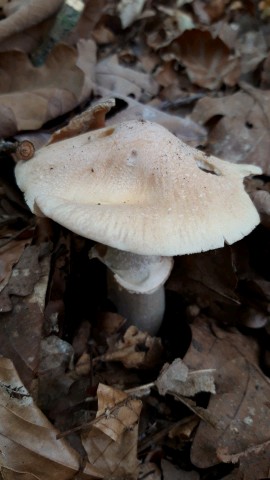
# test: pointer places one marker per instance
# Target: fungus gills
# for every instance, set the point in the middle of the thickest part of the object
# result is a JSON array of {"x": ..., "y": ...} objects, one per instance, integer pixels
[{"x": 136, "y": 285}]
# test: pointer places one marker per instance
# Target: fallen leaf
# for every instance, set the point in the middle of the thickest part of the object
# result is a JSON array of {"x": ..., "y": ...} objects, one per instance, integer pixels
[
  {"x": 169, "y": 24},
  {"x": 176, "y": 378},
  {"x": 264, "y": 7},
  {"x": 208, "y": 280},
  {"x": 123, "y": 80},
  {"x": 9, "y": 256},
  {"x": 86, "y": 61},
  {"x": 208, "y": 61},
  {"x": 30, "y": 96},
  {"x": 129, "y": 11},
  {"x": 240, "y": 133},
  {"x": 81, "y": 338},
  {"x": 54, "y": 360},
  {"x": 23, "y": 276},
  {"x": 90, "y": 119},
  {"x": 171, "y": 472},
  {"x": 242, "y": 392},
  {"x": 252, "y": 464},
  {"x": 265, "y": 77},
  {"x": 21, "y": 328},
  {"x": 261, "y": 199},
  {"x": 28, "y": 440},
  {"x": 89, "y": 18},
  {"x": 111, "y": 444},
  {"x": 135, "y": 350},
  {"x": 149, "y": 471},
  {"x": 252, "y": 50},
  {"x": 212, "y": 10},
  {"x": 28, "y": 40},
  {"x": 22, "y": 15}
]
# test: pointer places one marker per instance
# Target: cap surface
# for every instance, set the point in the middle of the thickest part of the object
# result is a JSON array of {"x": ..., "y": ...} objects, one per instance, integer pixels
[{"x": 136, "y": 187}]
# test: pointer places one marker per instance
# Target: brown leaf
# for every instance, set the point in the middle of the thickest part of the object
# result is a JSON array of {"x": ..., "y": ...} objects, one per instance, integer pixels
[
  {"x": 252, "y": 49},
  {"x": 241, "y": 401},
  {"x": 209, "y": 12},
  {"x": 25, "y": 274},
  {"x": 9, "y": 256},
  {"x": 135, "y": 350},
  {"x": 22, "y": 15},
  {"x": 149, "y": 471},
  {"x": 111, "y": 444},
  {"x": 129, "y": 12},
  {"x": 168, "y": 25},
  {"x": 28, "y": 440},
  {"x": 31, "y": 96},
  {"x": 171, "y": 472},
  {"x": 261, "y": 199},
  {"x": 242, "y": 133},
  {"x": 176, "y": 378},
  {"x": 88, "y": 20},
  {"x": 90, "y": 119},
  {"x": 86, "y": 61},
  {"x": 21, "y": 328},
  {"x": 253, "y": 465},
  {"x": 122, "y": 80},
  {"x": 54, "y": 359},
  {"x": 264, "y": 7},
  {"x": 208, "y": 60},
  {"x": 265, "y": 76},
  {"x": 207, "y": 280}
]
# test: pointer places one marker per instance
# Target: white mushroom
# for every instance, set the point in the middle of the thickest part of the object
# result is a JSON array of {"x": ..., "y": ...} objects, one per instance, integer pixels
[{"x": 147, "y": 196}]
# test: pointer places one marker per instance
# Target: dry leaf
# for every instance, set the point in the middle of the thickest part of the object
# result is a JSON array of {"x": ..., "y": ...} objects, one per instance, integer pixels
[
  {"x": 111, "y": 444},
  {"x": 149, "y": 471},
  {"x": 252, "y": 49},
  {"x": 170, "y": 23},
  {"x": 54, "y": 360},
  {"x": 176, "y": 378},
  {"x": 91, "y": 14},
  {"x": 136, "y": 350},
  {"x": 91, "y": 119},
  {"x": 261, "y": 199},
  {"x": 171, "y": 472},
  {"x": 241, "y": 133},
  {"x": 210, "y": 11},
  {"x": 86, "y": 61},
  {"x": 25, "y": 14},
  {"x": 265, "y": 75},
  {"x": 129, "y": 11},
  {"x": 9, "y": 256},
  {"x": 122, "y": 80},
  {"x": 254, "y": 464},
  {"x": 21, "y": 328},
  {"x": 242, "y": 392},
  {"x": 208, "y": 280},
  {"x": 264, "y": 7},
  {"x": 31, "y": 96},
  {"x": 208, "y": 60},
  {"x": 25, "y": 273},
  {"x": 22, "y": 278},
  {"x": 28, "y": 440}
]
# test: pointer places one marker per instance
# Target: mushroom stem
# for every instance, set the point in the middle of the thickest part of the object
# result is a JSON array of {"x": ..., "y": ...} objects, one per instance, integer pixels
[
  {"x": 144, "y": 310},
  {"x": 136, "y": 285}
]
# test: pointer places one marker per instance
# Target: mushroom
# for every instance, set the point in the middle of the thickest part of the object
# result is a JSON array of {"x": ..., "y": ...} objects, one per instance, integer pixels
[{"x": 145, "y": 196}]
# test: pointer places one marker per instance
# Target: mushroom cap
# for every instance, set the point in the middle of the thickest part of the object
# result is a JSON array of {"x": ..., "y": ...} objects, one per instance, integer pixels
[{"x": 136, "y": 187}]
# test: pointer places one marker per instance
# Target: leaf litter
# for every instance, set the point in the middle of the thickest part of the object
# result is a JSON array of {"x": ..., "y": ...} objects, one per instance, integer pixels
[{"x": 117, "y": 403}]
